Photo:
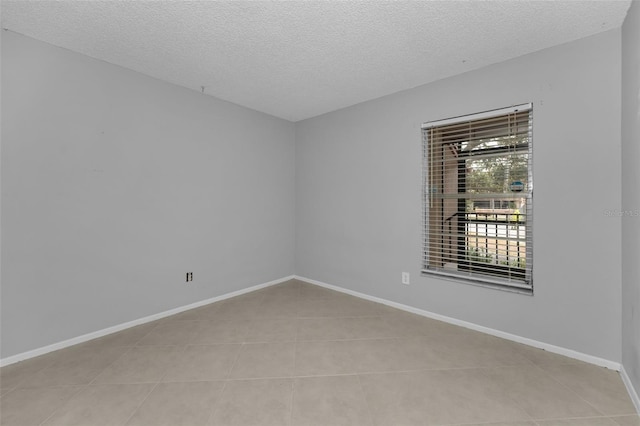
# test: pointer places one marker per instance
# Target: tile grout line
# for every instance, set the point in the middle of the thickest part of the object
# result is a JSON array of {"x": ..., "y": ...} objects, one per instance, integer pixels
[
  {"x": 133, "y": 413},
  {"x": 610, "y": 418},
  {"x": 92, "y": 382},
  {"x": 566, "y": 386},
  {"x": 17, "y": 386},
  {"x": 483, "y": 372},
  {"x": 569, "y": 388},
  {"x": 364, "y": 396},
  {"x": 216, "y": 405},
  {"x": 366, "y": 401},
  {"x": 295, "y": 357},
  {"x": 80, "y": 388},
  {"x": 293, "y": 380},
  {"x": 235, "y": 362},
  {"x": 182, "y": 349}
]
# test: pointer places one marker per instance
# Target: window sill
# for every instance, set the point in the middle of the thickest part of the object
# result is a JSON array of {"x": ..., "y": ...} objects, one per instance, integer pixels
[{"x": 478, "y": 282}]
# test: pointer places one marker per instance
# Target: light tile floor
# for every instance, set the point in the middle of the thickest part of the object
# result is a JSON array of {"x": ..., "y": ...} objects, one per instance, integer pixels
[{"x": 298, "y": 354}]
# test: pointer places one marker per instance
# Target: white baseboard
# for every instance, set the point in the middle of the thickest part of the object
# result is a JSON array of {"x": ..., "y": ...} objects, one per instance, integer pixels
[
  {"x": 530, "y": 342},
  {"x": 635, "y": 398},
  {"x": 94, "y": 335}
]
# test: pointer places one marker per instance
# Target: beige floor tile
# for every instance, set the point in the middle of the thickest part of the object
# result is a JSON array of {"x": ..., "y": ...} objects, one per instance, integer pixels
[
  {"x": 383, "y": 355},
  {"x": 75, "y": 366},
  {"x": 171, "y": 333},
  {"x": 272, "y": 330},
  {"x": 325, "y": 358},
  {"x": 12, "y": 375},
  {"x": 438, "y": 397},
  {"x": 601, "y": 387},
  {"x": 464, "y": 396},
  {"x": 250, "y": 298},
  {"x": 25, "y": 407},
  {"x": 355, "y": 307},
  {"x": 178, "y": 404},
  {"x": 369, "y": 328},
  {"x": 141, "y": 364},
  {"x": 220, "y": 331},
  {"x": 395, "y": 398},
  {"x": 414, "y": 370},
  {"x": 539, "y": 394},
  {"x": 282, "y": 308},
  {"x": 333, "y": 400},
  {"x": 257, "y": 360},
  {"x": 260, "y": 294},
  {"x": 542, "y": 357},
  {"x": 202, "y": 313},
  {"x": 290, "y": 290},
  {"x": 310, "y": 291},
  {"x": 523, "y": 423},
  {"x": 627, "y": 420},
  {"x": 286, "y": 297},
  {"x": 98, "y": 405},
  {"x": 406, "y": 324},
  {"x": 203, "y": 362},
  {"x": 469, "y": 349},
  {"x": 594, "y": 421},
  {"x": 343, "y": 306},
  {"x": 128, "y": 337},
  {"x": 233, "y": 309},
  {"x": 323, "y": 329},
  {"x": 254, "y": 402},
  {"x": 315, "y": 308}
]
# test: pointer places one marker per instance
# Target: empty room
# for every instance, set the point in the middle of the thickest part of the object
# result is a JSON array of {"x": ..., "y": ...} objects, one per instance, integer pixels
[{"x": 320, "y": 213}]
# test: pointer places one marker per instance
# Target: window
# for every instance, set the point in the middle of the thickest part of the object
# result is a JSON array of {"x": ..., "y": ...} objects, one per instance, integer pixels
[{"x": 477, "y": 198}]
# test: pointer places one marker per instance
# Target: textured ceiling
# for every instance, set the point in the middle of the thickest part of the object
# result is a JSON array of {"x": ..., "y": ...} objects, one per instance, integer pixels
[{"x": 299, "y": 59}]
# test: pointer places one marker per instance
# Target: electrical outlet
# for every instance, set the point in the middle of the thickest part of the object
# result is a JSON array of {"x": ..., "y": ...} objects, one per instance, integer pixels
[
  {"x": 406, "y": 278},
  {"x": 189, "y": 277}
]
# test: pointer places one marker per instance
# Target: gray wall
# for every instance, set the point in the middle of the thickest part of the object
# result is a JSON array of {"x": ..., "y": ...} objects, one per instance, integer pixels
[
  {"x": 115, "y": 184},
  {"x": 631, "y": 194},
  {"x": 358, "y": 196}
]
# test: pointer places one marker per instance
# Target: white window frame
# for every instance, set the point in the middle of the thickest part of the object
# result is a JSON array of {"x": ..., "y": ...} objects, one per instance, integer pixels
[{"x": 523, "y": 283}]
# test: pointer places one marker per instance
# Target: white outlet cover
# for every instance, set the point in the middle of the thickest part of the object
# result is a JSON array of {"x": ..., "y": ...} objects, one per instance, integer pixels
[{"x": 406, "y": 278}]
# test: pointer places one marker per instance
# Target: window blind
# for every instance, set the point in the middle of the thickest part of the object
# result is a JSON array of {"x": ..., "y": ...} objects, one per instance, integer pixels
[{"x": 478, "y": 198}]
